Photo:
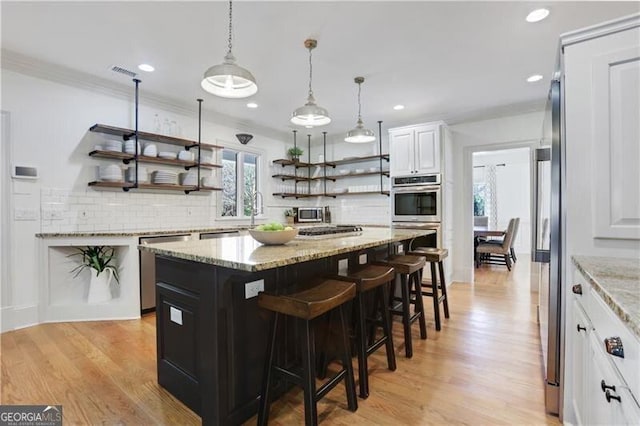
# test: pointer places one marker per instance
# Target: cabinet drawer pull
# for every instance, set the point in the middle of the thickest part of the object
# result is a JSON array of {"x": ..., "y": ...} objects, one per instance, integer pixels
[
  {"x": 610, "y": 397},
  {"x": 577, "y": 289},
  {"x": 613, "y": 345},
  {"x": 605, "y": 386},
  {"x": 581, "y": 328}
]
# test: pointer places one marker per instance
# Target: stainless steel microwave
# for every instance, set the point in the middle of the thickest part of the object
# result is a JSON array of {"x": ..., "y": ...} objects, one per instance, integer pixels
[
  {"x": 309, "y": 214},
  {"x": 416, "y": 204}
]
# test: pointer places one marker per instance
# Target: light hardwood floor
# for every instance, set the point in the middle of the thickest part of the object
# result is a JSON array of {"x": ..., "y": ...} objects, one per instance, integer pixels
[{"x": 484, "y": 367}]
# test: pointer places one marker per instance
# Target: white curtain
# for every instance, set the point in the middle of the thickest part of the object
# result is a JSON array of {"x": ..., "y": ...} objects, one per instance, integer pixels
[{"x": 492, "y": 195}]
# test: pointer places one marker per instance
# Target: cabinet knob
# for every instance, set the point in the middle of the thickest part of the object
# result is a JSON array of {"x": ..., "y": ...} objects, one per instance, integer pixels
[
  {"x": 609, "y": 397},
  {"x": 613, "y": 345},
  {"x": 581, "y": 328},
  {"x": 604, "y": 386},
  {"x": 577, "y": 289}
]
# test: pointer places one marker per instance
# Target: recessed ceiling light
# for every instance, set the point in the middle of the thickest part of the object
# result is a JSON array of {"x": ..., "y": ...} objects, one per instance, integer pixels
[
  {"x": 146, "y": 67},
  {"x": 534, "y": 78},
  {"x": 537, "y": 15},
  {"x": 398, "y": 107},
  {"x": 252, "y": 105}
]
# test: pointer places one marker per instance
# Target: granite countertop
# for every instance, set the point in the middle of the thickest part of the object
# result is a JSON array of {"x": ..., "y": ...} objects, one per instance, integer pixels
[
  {"x": 245, "y": 253},
  {"x": 617, "y": 281}
]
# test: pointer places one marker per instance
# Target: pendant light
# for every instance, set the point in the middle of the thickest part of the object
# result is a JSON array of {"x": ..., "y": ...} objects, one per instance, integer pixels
[
  {"x": 359, "y": 134},
  {"x": 229, "y": 80},
  {"x": 310, "y": 114}
]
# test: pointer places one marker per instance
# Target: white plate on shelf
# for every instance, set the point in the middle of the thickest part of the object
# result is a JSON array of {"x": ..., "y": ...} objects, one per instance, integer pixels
[
  {"x": 358, "y": 171},
  {"x": 344, "y": 172},
  {"x": 167, "y": 155}
]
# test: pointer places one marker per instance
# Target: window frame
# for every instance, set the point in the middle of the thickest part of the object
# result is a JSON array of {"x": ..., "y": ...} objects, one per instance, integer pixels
[{"x": 240, "y": 151}]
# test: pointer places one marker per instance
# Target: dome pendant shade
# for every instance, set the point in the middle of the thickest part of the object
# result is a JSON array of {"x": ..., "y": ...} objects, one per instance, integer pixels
[
  {"x": 359, "y": 134},
  {"x": 229, "y": 80},
  {"x": 310, "y": 114}
]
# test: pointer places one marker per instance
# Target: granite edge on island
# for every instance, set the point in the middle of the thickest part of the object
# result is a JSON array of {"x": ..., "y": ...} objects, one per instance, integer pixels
[
  {"x": 616, "y": 302},
  {"x": 248, "y": 267}
]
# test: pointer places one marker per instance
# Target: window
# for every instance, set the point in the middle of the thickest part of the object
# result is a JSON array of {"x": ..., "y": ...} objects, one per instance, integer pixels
[{"x": 239, "y": 182}]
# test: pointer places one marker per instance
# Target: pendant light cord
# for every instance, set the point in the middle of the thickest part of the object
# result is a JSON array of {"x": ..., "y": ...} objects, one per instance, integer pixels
[
  {"x": 310, "y": 72},
  {"x": 230, "y": 23},
  {"x": 359, "y": 104}
]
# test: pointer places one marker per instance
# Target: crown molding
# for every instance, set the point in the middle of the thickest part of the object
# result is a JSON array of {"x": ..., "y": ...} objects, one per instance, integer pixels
[{"x": 22, "y": 64}]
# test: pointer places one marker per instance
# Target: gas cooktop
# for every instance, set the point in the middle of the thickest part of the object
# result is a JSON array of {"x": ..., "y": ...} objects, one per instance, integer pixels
[{"x": 319, "y": 232}]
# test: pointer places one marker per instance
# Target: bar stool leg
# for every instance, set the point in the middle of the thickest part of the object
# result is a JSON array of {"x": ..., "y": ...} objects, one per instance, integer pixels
[
  {"x": 434, "y": 290},
  {"x": 363, "y": 375},
  {"x": 349, "y": 381},
  {"x": 417, "y": 280},
  {"x": 444, "y": 290},
  {"x": 308, "y": 374},
  {"x": 263, "y": 410},
  {"x": 386, "y": 327},
  {"x": 406, "y": 323}
]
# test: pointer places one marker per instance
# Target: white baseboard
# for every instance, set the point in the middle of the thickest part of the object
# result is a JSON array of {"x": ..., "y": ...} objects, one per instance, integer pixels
[{"x": 16, "y": 317}]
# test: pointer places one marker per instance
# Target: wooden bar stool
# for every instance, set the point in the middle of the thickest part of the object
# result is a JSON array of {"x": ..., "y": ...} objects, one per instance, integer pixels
[
  {"x": 433, "y": 256},
  {"x": 372, "y": 278},
  {"x": 410, "y": 270},
  {"x": 305, "y": 306}
]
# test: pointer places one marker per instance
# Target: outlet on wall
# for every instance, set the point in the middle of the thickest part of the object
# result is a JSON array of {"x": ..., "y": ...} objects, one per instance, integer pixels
[
  {"x": 343, "y": 266},
  {"x": 251, "y": 289},
  {"x": 362, "y": 259}
]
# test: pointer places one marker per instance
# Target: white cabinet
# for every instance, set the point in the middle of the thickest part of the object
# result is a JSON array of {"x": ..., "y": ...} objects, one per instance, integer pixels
[
  {"x": 415, "y": 149},
  {"x": 602, "y": 385}
]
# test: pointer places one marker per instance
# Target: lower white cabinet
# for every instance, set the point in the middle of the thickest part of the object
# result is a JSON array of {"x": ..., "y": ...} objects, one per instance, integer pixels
[{"x": 601, "y": 392}]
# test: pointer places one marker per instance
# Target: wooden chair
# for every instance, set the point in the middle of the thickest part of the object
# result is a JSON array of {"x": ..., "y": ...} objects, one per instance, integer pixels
[
  {"x": 512, "y": 252},
  {"x": 437, "y": 285},
  {"x": 304, "y": 306},
  {"x": 499, "y": 254}
]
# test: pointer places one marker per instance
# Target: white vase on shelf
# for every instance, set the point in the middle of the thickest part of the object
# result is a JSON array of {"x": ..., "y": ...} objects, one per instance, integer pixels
[{"x": 100, "y": 286}]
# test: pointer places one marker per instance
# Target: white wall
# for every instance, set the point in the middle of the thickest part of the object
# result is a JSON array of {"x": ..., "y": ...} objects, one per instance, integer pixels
[
  {"x": 49, "y": 125},
  {"x": 513, "y": 177},
  {"x": 506, "y": 132}
]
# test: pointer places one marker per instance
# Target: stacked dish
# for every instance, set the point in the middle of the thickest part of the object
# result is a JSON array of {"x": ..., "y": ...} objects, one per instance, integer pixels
[
  {"x": 111, "y": 173},
  {"x": 185, "y": 156},
  {"x": 130, "y": 147},
  {"x": 143, "y": 177},
  {"x": 167, "y": 155},
  {"x": 374, "y": 169},
  {"x": 358, "y": 171},
  {"x": 164, "y": 177},
  {"x": 150, "y": 150},
  {"x": 189, "y": 178},
  {"x": 208, "y": 181},
  {"x": 345, "y": 171},
  {"x": 113, "y": 145}
]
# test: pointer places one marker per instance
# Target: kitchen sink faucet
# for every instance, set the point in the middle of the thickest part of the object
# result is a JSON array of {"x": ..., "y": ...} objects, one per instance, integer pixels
[{"x": 254, "y": 206}]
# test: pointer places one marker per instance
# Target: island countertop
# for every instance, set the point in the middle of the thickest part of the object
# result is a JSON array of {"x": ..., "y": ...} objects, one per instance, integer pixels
[{"x": 246, "y": 254}]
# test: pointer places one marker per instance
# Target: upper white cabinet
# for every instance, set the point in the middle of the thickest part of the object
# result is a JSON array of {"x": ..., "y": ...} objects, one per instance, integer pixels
[
  {"x": 415, "y": 149},
  {"x": 602, "y": 104}
]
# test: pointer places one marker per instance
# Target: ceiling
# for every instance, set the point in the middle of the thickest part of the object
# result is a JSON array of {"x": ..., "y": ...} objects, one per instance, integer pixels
[{"x": 442, "y": 60}]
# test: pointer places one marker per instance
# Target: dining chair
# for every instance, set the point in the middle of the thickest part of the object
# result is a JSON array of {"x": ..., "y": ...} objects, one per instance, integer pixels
[{"x": 498, "y": 253}]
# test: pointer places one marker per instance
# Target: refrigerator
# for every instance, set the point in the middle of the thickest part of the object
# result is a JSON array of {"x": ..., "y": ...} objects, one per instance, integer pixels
[{"x": 547, "y": 248}]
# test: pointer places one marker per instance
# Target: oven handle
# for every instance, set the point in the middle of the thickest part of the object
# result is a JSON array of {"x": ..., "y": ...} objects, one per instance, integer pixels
[{"x": 416, "y": 188}]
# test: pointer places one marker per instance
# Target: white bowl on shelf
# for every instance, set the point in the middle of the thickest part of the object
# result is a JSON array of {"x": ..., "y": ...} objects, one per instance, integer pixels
[
  {"x": 344, "y": 171},
  {"x": 185, "y": 156},
  {"x": 150, "y": 150},
  {"x": 358, "y": 171},
  {"x": 168, "y": 155}
]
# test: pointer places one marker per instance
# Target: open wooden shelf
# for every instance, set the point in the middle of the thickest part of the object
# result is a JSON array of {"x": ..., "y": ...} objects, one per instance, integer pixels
[
  {"x": 357, "y": 160},
  {"x": 128, "y": 134},
  {"x": 284, "y": 162},
  {"x": 104, "y": 184},
  {"x": 164, "y": 187},
  {"x": 327, "y": 194},
  {"x": 112, "y": 155},
  {"x": 126, "y": 158},
  {"x": 334, "y": 177}
]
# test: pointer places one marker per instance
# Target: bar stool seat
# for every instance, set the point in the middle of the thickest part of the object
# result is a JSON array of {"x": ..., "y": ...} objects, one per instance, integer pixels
[
  {"x": 410, "y": 270},
  {"x": 435, "y": 256},
  {"x": 304, "y": 306},
  {"x": 372, "y": 278}
]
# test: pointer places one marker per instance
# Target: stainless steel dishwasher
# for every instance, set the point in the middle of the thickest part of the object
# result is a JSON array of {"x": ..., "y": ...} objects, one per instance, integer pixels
[
  {"x": 219, "y": 234},
  {"x": 148, "y": 270}
]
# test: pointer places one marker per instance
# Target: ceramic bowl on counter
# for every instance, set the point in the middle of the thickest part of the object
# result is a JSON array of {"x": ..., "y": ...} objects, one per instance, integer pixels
[{"x": 273, "y": 238}]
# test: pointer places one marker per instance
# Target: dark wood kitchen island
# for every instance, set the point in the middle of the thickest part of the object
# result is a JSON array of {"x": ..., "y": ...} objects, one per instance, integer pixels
[{"x": 211, "y": 334}]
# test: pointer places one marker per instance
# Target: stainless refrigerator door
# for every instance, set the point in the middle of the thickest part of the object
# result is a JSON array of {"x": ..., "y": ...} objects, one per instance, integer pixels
[{"x": 546, "y": 248}]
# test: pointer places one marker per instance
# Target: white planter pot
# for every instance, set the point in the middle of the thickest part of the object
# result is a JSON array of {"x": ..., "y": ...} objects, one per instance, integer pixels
[{"x": 100, "y": 286}]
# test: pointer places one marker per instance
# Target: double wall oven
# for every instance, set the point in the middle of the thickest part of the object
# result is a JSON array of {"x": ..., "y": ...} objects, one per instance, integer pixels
[{"x": 416, "y": 202}]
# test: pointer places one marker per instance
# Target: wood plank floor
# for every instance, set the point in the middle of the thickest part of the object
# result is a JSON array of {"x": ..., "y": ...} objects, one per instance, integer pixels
[{"x": 484, "y": 367}]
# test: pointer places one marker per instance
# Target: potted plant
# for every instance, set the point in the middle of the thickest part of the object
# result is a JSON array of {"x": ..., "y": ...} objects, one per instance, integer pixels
[
  {"x": 290, "y": 214},
  {"x": 295, "y": 153},
  {"x": 100, "y": 262}
]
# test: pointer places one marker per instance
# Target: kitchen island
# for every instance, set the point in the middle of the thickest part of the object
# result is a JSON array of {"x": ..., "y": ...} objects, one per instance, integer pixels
[{"x": 211, "y": 334}]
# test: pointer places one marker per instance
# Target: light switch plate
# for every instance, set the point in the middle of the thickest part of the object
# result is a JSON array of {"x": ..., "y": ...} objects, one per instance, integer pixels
[
  {"x": 343, "y": 266},
  {"x": 251, "y": 289},
  {"x": 362, "y": 259},
  {"x": 25, "y": 214}
]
